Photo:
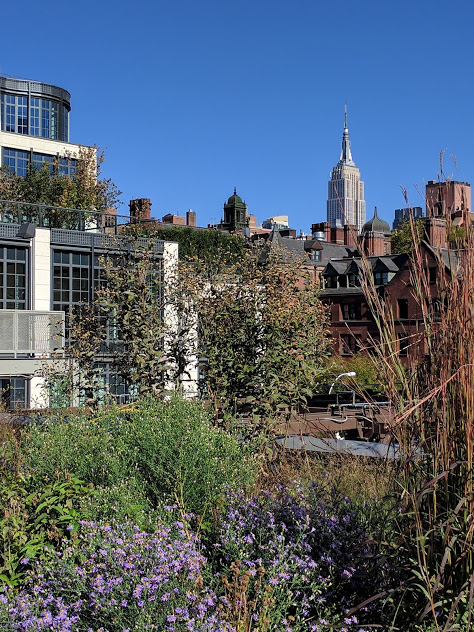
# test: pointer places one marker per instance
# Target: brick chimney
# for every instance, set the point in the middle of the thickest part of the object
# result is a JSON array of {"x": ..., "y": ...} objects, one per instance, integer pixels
[
  {"x": 435, "y": 231},
  {"x": 350, "y": 235},
  {"x": 140, "y": 209},
  {"x": 190, "y": 218}
]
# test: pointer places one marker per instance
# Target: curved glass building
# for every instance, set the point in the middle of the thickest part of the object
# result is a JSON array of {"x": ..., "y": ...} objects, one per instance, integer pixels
[{"x": 34, "y": 108}]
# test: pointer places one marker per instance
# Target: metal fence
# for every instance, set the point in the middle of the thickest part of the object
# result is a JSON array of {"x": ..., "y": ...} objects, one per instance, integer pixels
[
  {"x": 59, "y": 217},
  {"x": 31, "y": 332}
]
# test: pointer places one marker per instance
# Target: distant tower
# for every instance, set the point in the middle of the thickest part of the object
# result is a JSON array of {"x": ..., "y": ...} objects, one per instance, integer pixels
[{"x": 346, "y": 204}]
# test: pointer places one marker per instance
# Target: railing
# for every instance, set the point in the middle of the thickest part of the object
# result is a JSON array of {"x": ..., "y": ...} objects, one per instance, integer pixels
[
  {"x": 25, "y": 332},
  {"x": 59, "y": 217}
]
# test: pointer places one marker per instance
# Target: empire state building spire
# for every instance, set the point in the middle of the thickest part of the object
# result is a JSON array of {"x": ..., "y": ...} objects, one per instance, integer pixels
[
  {"x": 346, "y": 156},
  {"x": 346, "y": 204}
]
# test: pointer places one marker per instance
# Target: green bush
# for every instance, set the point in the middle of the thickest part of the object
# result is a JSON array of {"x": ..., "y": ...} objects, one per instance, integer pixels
[
  {"x": 181, "y": 457},
  {"x": 35, "y": 517},
  {"x": 164, "y": 452}
]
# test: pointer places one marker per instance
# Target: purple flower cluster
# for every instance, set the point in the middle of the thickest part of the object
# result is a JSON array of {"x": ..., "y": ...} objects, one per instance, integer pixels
[
  {"x": 115, "y": 579},
  {"x": 314, "y": 554}
]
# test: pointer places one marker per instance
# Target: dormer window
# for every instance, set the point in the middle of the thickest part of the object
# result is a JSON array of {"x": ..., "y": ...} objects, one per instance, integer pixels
[
  {"x": 315, "y": 255},
  {"x": 330, "y": 281},
  {"x": 354, "y": 280},
  {"x": 380, "y": 278}
]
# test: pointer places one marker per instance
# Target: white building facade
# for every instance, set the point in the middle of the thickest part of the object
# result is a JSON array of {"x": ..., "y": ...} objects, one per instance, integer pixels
[
  {"x": 346, "y": 203},
  {"x": 50, "y": 258}
]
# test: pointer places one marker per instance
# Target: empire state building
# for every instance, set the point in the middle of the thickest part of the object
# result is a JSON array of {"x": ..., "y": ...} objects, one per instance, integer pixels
[{"x": 346, "y": 204}]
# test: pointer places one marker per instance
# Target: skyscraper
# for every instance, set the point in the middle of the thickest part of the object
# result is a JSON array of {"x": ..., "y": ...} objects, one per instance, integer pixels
[{"x": 346, "y": 204}]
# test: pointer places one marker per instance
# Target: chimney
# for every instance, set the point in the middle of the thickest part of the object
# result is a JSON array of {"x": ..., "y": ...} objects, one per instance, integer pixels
[
  {"x": 350, "y": 235},
  {"x": 435, "y": 231},
  {"x": 140, "y": 209},
  {"x": 190, "y": 218}
]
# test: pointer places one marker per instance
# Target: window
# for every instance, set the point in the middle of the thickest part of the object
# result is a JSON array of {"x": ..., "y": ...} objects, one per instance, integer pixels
[
  {"x": 14, "y": 114},
  {"x": 350, "y": 344},
  {"x": 16, "y": 161},
  {"x": 42, "y": 159},
  {"x": 330, "y": 281},
  {"x": 13, "y": 285},
  {"x": 402, "y": 308},
  {"x": 380, "y": 278},
  {"x": 434, "y": 307},
  {"x": 316, "y": 255},
  {"x": 34, "y": 116},
  {"x": 403, "y": 344},
  {"x": 354, "y": 280},
  {"x": 71, "y": 279},
  {"x": 67, "y": 166},
  {"x": 372, "y": 344},
  {"x": 432, "y": 275},
  {"x": 351, "y": 311},
  {"x": 13, "y": 393}
]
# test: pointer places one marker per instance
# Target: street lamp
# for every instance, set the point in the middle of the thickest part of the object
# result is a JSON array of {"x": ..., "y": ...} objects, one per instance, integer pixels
[{"x": 349, "y": 374}]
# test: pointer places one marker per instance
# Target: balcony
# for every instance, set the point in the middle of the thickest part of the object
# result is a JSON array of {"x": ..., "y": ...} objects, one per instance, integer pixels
[{"x": 25, "y": 333}]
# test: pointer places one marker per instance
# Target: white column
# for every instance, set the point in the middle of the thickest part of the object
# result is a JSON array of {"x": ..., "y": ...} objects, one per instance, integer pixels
[
  {"x": 41, "y": 298},
  {"x": 41, "y": 270}
]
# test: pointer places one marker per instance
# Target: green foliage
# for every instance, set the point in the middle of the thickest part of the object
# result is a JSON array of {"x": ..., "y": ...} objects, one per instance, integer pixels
[
  {"x": 164, "y": 452},
  {"x": 125, "y": 322},
  {"x": 132, "y": 300},
  {"x": 35, "y": 516},
  {"x": 403, "y": 240},
  {"x": 210, "y": 246},
  {"x": 83, "y": 190},
  {"x": 457, "y": 236},
  {"x": 260, "y": 332},
  {"x": 361, "y": 364}
]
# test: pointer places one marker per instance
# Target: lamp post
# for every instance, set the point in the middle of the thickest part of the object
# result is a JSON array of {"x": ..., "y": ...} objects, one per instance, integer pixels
[{"x": 349, "y": 374}]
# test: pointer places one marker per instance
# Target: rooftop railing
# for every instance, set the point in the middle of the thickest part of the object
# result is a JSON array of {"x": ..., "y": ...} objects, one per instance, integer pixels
[{"x": 59, "y": 217}]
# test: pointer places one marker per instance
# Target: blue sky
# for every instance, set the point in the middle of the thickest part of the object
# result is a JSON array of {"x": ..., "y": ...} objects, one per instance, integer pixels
[{"x": 192, "y": 98}]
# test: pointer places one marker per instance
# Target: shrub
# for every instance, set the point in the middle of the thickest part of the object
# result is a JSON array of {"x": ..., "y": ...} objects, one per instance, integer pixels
[
  {"x": 163, "y": 451},
  {"x": 181, "y": 456},
  {"x": 36, "y": 517}
]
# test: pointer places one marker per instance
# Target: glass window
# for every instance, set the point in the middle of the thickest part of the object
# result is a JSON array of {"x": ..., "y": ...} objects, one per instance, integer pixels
[
  {"x": 16, "y": 161},
  {"x": 403, "y": 342},
  {"x": 351, "y": 311},
  {"x": 43, "y": 159},
  {"x": 71, "y": 279},
  {"x": 34, "y": 116},
  {"x": 13, "y": 393},
  {"x": 67, "y": 166},
  {"x": 354, "y": 280},
  {"x": 380, "y": 278},
  {"x": 330, "y": 281},
  {"x": 13, "y": 281}
]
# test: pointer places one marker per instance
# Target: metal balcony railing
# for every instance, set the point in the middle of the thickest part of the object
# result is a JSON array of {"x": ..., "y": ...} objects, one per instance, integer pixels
[
  {"x": 25, "y": 332},
  {"x": 60, "y": 217}
]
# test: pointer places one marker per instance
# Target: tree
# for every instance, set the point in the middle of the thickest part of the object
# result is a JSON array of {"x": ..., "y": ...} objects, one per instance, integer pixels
[
  {"x": 260, "y": 333},
  {"x": 404, "y": 239},
  {"x": 84, "y": 189}
]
